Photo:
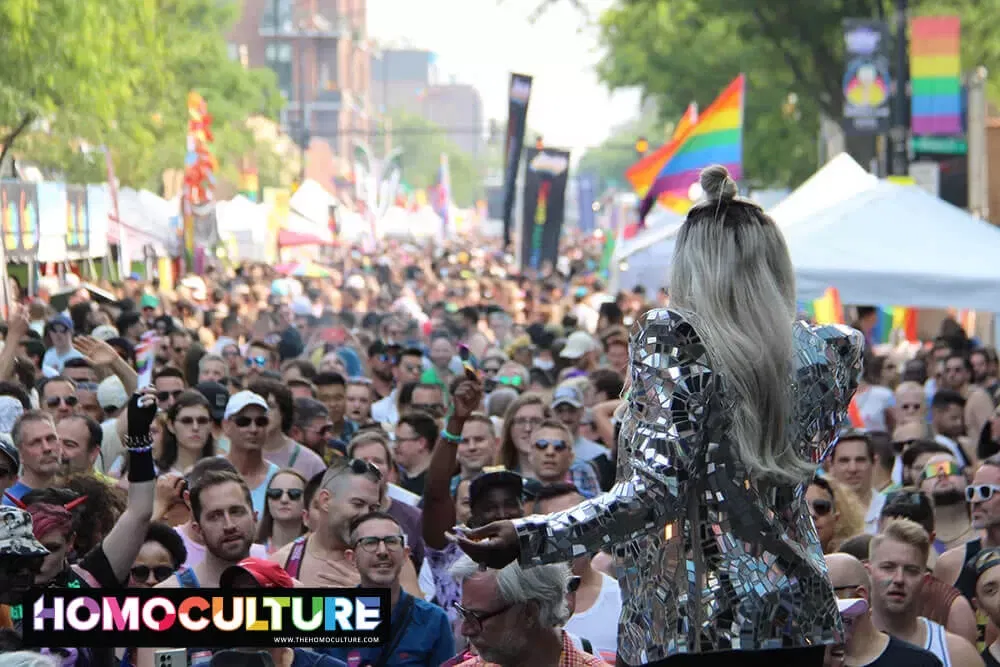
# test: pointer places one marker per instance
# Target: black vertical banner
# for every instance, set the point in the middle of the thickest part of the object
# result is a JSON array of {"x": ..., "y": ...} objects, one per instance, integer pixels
[
  {"x": 867, "y": 86},
  {"x": 517, "y": 119},
  {"x": 544, "y": 206}
]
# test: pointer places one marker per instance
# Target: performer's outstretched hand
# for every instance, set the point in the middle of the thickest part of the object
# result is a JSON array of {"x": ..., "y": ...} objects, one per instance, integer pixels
[{"x": 494, "y": 545}]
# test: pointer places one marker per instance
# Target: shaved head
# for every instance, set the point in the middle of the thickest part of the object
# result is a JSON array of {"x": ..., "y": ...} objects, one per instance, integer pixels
[{"x": 846, "y": 571}]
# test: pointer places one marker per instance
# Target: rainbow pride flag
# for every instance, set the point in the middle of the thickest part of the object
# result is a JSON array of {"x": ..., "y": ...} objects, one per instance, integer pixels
[
  {"x": 716, "y": 138},
  {"x": 895, "y": 318},
  {"x": 936, "y": 75},
  {"x": 686, "y": 122}
]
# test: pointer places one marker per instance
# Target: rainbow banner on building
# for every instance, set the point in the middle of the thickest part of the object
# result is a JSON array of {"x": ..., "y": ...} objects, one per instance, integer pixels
[
  {"x": 715, "y": 138},
  {"x": 936, "y": 76}
]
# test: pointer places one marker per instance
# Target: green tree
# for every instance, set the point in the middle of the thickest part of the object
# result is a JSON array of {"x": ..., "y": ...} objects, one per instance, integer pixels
[
  {"x": 609, "y": 161},
  {"x": 791, "y": 52},
  {"x": 145, "y": 129},
  {"x": 423, "y": 142}
]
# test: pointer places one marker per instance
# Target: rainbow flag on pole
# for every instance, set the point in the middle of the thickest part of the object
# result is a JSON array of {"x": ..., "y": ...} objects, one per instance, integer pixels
[
  {"x": 715, "y": 138},
  {"x": 936, "y": 75}
]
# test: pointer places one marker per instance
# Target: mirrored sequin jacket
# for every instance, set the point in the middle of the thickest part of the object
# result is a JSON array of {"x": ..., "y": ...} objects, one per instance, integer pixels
[{"x": 710, "y": 559}]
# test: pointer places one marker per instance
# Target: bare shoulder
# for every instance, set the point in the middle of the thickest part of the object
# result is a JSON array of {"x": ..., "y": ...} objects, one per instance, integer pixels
[
  {"x": 963, "y": 654},
  {"x": 949, "y": 565}
]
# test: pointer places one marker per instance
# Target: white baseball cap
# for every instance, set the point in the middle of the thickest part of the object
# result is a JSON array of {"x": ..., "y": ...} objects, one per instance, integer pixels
[
  {"x": 242, "y": 400},
  {"x": 111, "y": 393},
  {"x": 578, "y": 344}
]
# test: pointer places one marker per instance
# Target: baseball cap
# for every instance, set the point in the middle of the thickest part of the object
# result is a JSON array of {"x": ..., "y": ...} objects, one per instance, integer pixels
[
  {"x": 242, "y": 400},
  {"x": 63, "y": 320},
  {"x": 217, "y": 395},
  {"x": 111, "y": 393},
  {"x": 17, "y": 538},
  {"x": 578, "y": 344},
  {"x": 8, "y": 449},
  {"x": 104, "y": 332},
  {"x": 495, "y": 476},
  {"x": 149, "y": 301},
  {"x": 266, "y": 573},
  {"x": 567, "y": 395}
]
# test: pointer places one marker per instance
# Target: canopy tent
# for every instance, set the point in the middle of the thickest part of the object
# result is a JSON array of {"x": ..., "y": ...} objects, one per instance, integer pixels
[
  {"x": 313, "y": 203},
  {"x": 645, "y": 259},
  {"x": 297, "y": 230},
  {"x": 245, "y": 222},
  {"x": 898, "y": 245},
  {"x": 838, "y": 180},
  {"x": 146, "y": 220}
]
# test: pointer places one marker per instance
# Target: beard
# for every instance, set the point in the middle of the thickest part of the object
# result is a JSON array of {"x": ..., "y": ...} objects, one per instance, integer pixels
[
  {"x": 231, "y": 551},
  {"x": 948, "y": 498}
]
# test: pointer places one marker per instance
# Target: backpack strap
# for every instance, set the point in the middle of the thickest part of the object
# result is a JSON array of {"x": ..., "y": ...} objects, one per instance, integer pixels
[
  {"x": 187, "y": 578},
  {"x": 294, "y": 563},
  {"x": 295, "y": 455}
]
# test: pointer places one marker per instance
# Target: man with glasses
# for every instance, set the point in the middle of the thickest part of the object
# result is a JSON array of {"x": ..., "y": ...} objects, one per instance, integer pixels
[
  {"x": 944, "y": 481},
  {"x": 260, "y": 357},
  {"x": 59, "y": 331},
  {"x": 382, "y": 360},
  {"x": 419, "y": 631},
  {"x": 169, "y": 384},
  {"x": 568, "y": 405},
  {"x": 58, "y": 397},
  {"x": 245, "y": 424},
  {"x": 351, "y": 488},
  {"x": 180, "y": 343},
  {"x": 40, "y": 451}
]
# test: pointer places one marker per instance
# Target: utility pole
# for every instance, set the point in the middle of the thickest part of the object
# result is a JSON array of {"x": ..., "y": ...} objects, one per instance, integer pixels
[
  {"x": 899, "y": 134},
  {"x": 979, "y": 201}
]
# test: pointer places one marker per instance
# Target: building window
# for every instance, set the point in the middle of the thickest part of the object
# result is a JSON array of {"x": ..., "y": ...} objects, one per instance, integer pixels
[
  {"x": 326, "y": 56},
  {"x": 327, "y": 123},
  {"x": 284, "y": 15},
  {"x": 278, "y": 56}
]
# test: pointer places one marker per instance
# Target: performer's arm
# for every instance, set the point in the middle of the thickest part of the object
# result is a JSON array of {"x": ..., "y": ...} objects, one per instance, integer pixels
[{"x": 670, "y": 401}]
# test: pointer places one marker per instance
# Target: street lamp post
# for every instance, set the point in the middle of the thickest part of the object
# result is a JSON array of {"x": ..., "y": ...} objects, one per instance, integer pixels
[{"x": 899, "y": 164}]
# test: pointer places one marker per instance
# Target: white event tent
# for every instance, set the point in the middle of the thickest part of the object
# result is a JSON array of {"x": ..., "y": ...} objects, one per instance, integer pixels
[
  {"x": 896, "y": 244},
  {"x": 645, "y": 259},
  {"x": 838, "y": 180}
]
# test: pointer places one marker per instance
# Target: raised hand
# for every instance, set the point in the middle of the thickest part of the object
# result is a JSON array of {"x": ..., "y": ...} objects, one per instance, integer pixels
[{"x": 99, "y": 352}]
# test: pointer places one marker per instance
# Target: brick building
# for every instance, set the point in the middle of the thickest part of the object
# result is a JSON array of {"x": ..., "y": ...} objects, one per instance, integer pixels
[{"x": 319, "y": 51}]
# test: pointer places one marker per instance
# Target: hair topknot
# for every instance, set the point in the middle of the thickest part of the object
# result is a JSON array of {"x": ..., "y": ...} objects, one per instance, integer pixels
[{"x": 716, "y": 183}]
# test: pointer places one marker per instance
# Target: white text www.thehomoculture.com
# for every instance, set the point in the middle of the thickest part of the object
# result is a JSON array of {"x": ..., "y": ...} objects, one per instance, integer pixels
[{"x": 325, "y": 639}]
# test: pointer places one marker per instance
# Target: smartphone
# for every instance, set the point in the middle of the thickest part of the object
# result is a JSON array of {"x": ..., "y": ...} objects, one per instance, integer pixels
[
  {"x": 170, "y": 657},
  {"x": 469, "y": 362}
]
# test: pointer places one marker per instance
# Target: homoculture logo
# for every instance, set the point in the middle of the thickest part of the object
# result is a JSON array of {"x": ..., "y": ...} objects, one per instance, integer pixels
[{"x": 209, "y": 618}]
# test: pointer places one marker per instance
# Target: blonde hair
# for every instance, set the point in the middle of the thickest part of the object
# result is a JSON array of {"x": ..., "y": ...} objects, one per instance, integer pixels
[
  {"x": 733, "y": 279},
  {"x": 906, "y": 532},
  {"x": 850, "y": 513}
]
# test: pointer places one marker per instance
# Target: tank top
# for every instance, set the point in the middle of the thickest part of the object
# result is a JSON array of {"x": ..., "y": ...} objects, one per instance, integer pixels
[
  {"x": 936, "y": 642},
  {"x": 294, "y": 563}
]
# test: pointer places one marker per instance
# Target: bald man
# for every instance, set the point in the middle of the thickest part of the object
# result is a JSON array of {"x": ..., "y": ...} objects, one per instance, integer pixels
[
  {"x": 866, "y": 644},
  {"x": 911, "y": 404}
]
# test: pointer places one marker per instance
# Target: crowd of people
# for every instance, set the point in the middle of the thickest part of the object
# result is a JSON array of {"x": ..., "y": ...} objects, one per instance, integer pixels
[{"x": 249, "y": 430}]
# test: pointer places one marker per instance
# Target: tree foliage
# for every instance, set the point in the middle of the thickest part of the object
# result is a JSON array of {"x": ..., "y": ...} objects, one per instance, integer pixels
[
  {"x": 792, "y": 52},
  {"x": 423, "y": 142},
  {"x": 608, "y": 162},
  {"x": 116, "y": 73}
]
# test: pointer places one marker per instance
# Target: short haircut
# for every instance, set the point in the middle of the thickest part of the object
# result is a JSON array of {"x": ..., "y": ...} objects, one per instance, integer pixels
[
  {"x": 94, "y": 432},
  {"x": 375, "y": 516},
  {"x": 170, "y": 372},
  {"x": 329, "y": 378},
  {"x": 344, "y": 467},
  {"x": 480, "y": 418},
  {"x": 904, "y": 531},
  {"x": 946, "y": 398},
  {"x": 216, "y": 478},
  {"x": 855, "y": 435},
  {"x": 921, "y": 447},
  {"x": 371, "y": 437},
  {"x": 312, "y": 486},
  {"x": 302, "y": 382},
  {"x": 857, "y": 546},
  {"x": 282, "y": 397},
  {"x": 305, "y": 368},
  {"x": 308, "y": 410},
  {"x": 608, "y": 382},
  {"x": 555, "y": 425},
  {"x": 882, "y": 446},
  {"x": 167, "y": 538},
  {"x": 209, "y": 358},
  {"x": 423, "y": 424},
  {"x": 909, "y": 503},
  {"x": 28, "y": 417},
  {"x": 412, "y": 352},
  {"x": 207, "y": 465},
  {"x": 263, "y": 345},
  {"x": 78, "y": 362},
  {"x": 54, "y": 380}
]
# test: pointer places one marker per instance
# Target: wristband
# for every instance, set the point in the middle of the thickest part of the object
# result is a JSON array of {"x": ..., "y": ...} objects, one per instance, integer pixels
[
  {"x": 449, "y": 437},
  {"x": 140, "y": 465}
]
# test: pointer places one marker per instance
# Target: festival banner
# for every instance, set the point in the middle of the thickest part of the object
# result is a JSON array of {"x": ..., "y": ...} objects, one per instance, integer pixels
[
  {"x": 517, "y": 119},
  {"x": 544, "y": 206},
  {"x": 867, "y": 86},
  {"x": 935, "y": 76},
  {"x": 77, "y": 222},
  {"x": 585, "y": 188},
  {"x": 19, "y": 220}
]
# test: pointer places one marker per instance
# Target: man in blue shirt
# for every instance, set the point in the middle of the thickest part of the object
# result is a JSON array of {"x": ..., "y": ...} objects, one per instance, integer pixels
[{"x": 420, "y": 633}]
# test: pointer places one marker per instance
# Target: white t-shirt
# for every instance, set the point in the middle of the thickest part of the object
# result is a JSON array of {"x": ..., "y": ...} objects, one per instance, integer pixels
[
  {"x": 599, "y": 624},
  {"x": 384, "y": 411}
]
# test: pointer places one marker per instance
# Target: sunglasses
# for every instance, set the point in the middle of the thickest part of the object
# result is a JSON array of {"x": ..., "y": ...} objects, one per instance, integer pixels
[
  {"x": 980, "y": 493},
  {"x": 558, "y": 445},
  {"x": 160, "y": 572},
  {"x": 244, "y": 422},
  {"x": 358, "y": 467},
  {"x": 188, "y": 421},
  {"x": 946, "y": 468},
  {"x": 59, "y": 329},
  {"x": 910, "y": 407},
  {"x": 86, "y": 386},
  {"x": 164, "y": 396},
  {"x": 821, "y": 507},
  {"x": 370, "y": 544},
  {"x": 259, "y": 362},
  {"x": 514, "y": 381},
  {"x": 274, "y": 493},
  {"x": 477, "y": 618},
  {"x": 54, "y": 401}
]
